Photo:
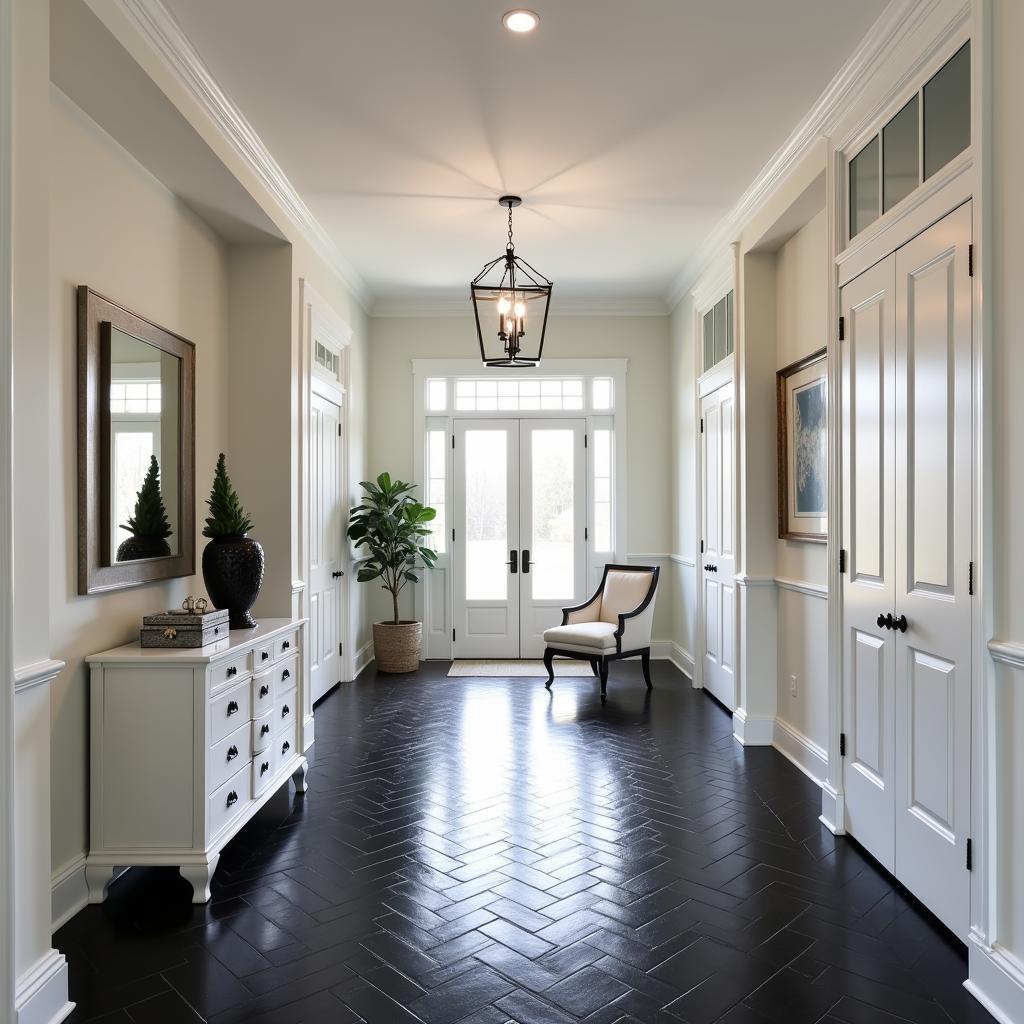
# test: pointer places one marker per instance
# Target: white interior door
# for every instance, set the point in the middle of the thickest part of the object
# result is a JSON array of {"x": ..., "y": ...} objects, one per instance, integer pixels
[
  {"x": 553, "y": 517},
  {"x": 933, "y": 553},
  {"x": 486, "y": 521},
  {"x": 869, "y": 481},
  {"x": 718, "y": 531},
  {"x": 326, "y": 544}
]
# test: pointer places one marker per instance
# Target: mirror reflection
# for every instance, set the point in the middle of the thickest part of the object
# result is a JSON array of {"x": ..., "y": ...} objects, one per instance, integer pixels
[{"x": 144, "y": 449}]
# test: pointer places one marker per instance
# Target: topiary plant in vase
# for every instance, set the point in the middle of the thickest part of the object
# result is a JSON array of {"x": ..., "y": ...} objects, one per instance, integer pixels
[
  {"x": 148, "y": 527},
  {"x": 232, "y": 561},
  {"x": 391, "y": 524}
]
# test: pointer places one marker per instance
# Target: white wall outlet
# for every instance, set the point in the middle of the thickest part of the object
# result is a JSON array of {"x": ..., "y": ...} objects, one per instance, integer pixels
[{"x": 792, "y": 686}]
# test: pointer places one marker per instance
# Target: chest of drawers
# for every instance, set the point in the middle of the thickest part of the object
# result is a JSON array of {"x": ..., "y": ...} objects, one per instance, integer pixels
[{"x": 187, "y": 745}]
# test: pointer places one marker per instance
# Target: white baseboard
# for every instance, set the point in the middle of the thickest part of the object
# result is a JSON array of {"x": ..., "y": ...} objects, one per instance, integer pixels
[
  {"x": 682, "y": 659},
  {"x": 996, "y": 980},
  {"x": 833, "y": 810},
  {"x": 807, "y": 755},
  {"x": 364, "y": 656},
  {"x": 68, "y": 891},
  {"x": 753, "y": 730},
  {"x": 42, "y": 992}
]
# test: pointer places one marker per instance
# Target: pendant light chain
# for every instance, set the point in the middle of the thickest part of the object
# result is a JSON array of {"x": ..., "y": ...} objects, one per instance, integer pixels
[{"x": 511, "y": 245}]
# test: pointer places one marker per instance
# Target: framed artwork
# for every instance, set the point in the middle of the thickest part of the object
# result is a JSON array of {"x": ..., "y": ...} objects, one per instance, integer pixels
[{"x": 802, "y": 397}]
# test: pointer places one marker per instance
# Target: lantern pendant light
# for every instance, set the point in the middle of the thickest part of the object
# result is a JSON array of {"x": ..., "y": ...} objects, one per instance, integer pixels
[{"x": 508, "y": 294}]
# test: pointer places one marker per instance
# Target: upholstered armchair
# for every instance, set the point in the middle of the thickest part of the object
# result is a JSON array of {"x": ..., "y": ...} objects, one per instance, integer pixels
[{"x": 615, "y": 623}]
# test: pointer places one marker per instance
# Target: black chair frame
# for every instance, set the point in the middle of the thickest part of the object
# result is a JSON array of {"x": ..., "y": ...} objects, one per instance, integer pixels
[{"x": 599, "y": 665}]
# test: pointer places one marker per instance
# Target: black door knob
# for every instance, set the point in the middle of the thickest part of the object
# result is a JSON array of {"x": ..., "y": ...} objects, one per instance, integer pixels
[
  {"x": 901, "y": 624},
  {"x": 337, "y": 575},
  {"x": 884, "y": 621}
]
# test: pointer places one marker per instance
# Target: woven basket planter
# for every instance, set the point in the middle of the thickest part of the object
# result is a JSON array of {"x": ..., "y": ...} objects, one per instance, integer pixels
[{"x": 397, "y": 647}]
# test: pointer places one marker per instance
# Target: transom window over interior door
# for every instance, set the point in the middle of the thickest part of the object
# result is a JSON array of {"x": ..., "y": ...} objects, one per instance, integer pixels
[{"x": 718, "y": 331}]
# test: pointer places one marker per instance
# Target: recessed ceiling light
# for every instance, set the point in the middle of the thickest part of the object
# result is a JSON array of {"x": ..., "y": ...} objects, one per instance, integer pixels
[{"x": 520, "y": 20}]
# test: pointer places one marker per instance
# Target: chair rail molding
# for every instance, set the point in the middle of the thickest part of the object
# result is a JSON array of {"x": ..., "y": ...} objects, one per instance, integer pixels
[
  {"x": 37, "y": 674},
  {"x": 1007, "y": 652},
  {"x": 802, "y": 587},
  {"x": 160, "y": 29}
]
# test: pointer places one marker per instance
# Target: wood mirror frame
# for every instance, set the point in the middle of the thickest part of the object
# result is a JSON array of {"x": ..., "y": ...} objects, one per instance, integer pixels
[{"x": 98, "y": 573}]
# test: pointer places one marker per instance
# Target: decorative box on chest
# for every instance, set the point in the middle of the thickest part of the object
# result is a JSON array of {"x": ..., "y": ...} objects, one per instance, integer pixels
[
  {"x": 184, "y": 629},
  {"x": 188, "y": 744}
]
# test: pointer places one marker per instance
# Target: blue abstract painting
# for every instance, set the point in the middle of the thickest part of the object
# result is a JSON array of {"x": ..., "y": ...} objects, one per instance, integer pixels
[{"x": 809, "y": 449}]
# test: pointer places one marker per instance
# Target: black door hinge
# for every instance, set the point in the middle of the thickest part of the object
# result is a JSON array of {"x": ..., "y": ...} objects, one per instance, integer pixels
[
  {"x": 970, "y": 578},
  {"x": 339, "y": 430},
  {"x": 842, "y": 744},
  {"x": 842, "y": 559},
  {"x": 341, "y": 650},
  {"x": 453, "y": 534},
  {"x": 842, "y": 328},
  {"x": 584, "y": 440},
  {"x": 970, "y": 260},
  {"x": 586, "y": 533},
  {"x": 702, "y": 545},
  {"x": 453, "y": 442},
  {"x": 453, "y": 636},
  {"x": 970, "y": 855},
  {"x": 702, "y": 424}
]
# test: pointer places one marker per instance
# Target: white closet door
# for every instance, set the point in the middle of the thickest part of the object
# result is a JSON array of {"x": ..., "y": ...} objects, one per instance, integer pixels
[
  {"x": 869, "y": 480},
  {"x": 933, "y": 545},
  {"x": 326, "y": 545},
  {"x": 718, "y": 529}
]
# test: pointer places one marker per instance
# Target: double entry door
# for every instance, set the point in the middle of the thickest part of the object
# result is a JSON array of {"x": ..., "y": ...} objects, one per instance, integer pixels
[
  {"x": 907, "y": 444},
  {"x": 519, "y": 543}
]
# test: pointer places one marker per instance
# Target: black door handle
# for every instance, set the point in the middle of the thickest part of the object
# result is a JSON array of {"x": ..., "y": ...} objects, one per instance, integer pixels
[
  {"x": 337, "y": 575},
  {"x": 884, "y": 621},
  {"x": 513, "y": 561},
  {"x": 526, "y": 560},
  {"x": 901, "y": 624}
]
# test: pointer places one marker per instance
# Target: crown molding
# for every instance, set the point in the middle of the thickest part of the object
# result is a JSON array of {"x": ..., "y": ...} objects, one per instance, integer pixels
[
  {"x": 462, "y": 307},
  {"x": 885, "y": 36},
  {"x": 157, "y": 25}
]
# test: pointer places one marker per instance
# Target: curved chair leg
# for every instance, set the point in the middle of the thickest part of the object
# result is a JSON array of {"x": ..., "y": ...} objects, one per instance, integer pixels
[
  {"x": 594, "y": 667},
  {"x": 548, "y": 659},
  {"x": 645, "y": 661},
  {"x": 604, "y": 678}
]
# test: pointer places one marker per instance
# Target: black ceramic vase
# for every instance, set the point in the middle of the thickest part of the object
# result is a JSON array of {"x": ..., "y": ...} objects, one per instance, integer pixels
[
  {"x": 142, "y": 547},
  {"x": 233, "y": 573}
]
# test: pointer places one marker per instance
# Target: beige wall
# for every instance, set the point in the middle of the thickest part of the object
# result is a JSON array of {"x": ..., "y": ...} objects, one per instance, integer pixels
[
  {"x": 115, "y": 228},
  {"x": 396, "y": 341},
  {"x": 801, "y": 267}
]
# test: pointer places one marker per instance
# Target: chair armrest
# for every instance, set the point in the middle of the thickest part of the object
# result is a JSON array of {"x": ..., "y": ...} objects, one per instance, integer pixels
[
  {"x": 586, "y": 612},
  {"x": 634, "y": 632}
]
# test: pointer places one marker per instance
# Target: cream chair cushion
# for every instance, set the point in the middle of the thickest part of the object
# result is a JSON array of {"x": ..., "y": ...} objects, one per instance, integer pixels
[
  {"x": 624, "y": 592},
  {"x": 596, "y": 636}
]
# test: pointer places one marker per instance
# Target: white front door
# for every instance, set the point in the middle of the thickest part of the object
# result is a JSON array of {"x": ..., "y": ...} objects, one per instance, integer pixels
[
  {"x": 933, "y": 553},
  {"x": 519, "y": 549},
  {"x": 326, "y": 545},
  {"x": 718, "y": 558},
  {"x": 869, "y": 589}
]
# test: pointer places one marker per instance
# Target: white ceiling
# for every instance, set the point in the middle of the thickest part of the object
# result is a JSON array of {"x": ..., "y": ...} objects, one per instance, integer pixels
[{"x": 629, "y": 129}]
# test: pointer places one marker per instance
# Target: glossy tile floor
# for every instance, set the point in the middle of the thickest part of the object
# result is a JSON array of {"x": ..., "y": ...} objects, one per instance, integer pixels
[{"x": 478, "y": 850}]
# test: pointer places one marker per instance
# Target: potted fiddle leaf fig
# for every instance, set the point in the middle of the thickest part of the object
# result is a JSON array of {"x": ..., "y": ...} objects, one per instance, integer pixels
[
  {"x": 232, "y": 561},
  {"x": 148, "y": 527},
  {"x": 392, "y": 526}
]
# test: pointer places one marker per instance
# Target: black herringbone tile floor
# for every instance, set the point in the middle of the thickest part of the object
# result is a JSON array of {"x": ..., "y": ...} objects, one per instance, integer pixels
[{"x": 478, "y": 850}]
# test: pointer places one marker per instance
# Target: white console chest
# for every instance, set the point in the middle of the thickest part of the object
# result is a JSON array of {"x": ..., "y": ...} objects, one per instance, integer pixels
[{"x": 187, "y": 745}]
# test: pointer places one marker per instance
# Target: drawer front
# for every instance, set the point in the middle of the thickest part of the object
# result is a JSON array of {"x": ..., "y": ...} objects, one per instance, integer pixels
[
  {"x": 285, "y": 711},
  {"x": 262, "y": 657},
  {"x": 286, "y": 744},
  {"x": 285, "y": 675},
  {"x": 286, "y": 645},
  {"x": 262, "y": 694},
  {"x": 262, "y": 731},
  {"x": 229, "y": 670},
  {"x": 264, "y": 769},
  {"x": 231, "y": 799},
  {"x": 229, "y": 711},
  {"x": 227, "y": 756}
]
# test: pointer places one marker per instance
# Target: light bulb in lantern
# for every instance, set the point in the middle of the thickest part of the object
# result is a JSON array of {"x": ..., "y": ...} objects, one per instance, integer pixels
[
  {"x": 520, "y": 309},
  {"x": 504, "y": 305}
]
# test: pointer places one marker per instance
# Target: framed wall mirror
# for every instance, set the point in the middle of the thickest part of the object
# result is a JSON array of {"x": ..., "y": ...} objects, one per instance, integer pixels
[{"x": 136, "y": 449}]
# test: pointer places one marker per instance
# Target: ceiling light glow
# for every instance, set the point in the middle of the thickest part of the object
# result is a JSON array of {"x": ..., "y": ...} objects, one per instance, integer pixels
[{"x": 520, "y": 20}]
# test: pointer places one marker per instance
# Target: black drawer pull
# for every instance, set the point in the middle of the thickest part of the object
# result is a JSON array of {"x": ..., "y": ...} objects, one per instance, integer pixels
[
  {"x": 285, "y": 747},
  {"x": 232, "y": 752},
  {"x": 264, "y": 655},
  {"x": 265, "y": 729},
  {"x": 264, "y": 690},
  {"x": 286, "y": 646},
  {"x": 285, "y": 675},
  {"x": 232, "y": 671},
  {"x": 285, "y": 711},
  {"x": 232, "y": 707},
  {"x": 232, "y": 798},
  {"x": 264, "y": 768}
]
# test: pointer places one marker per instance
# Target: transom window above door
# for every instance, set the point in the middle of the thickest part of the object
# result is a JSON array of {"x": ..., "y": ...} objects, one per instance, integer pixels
[
  {"x": 718, "y": 331},
  {"x": 550, "y": 394}
]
